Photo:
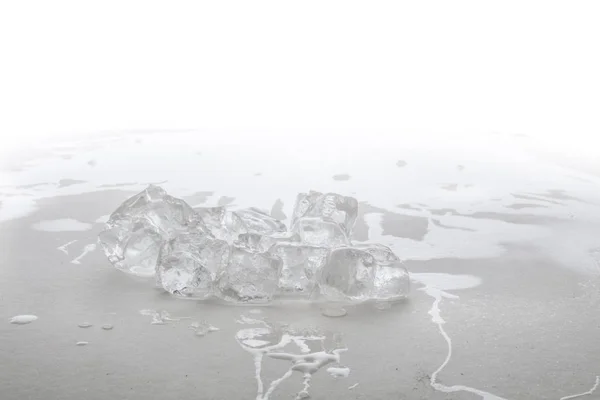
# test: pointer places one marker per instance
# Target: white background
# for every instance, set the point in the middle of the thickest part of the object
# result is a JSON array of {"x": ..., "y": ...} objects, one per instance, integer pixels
[{"x": 450, "y": 67}]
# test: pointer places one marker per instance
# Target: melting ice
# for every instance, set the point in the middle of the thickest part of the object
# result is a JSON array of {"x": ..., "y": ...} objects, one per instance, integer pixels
[{"x": 247, "y": 255}]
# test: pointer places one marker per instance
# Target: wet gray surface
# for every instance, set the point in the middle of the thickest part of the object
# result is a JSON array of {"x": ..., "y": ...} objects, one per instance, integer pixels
[
  {"x": 520, "y": 285},
  {"x": 277, "y": 210}
]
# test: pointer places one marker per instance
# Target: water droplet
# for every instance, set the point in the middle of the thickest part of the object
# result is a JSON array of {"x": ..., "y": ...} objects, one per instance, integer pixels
[
  {"x": 202, "y": 328},
  {"x": 303, "y": 395},
  {"x": 82, "y": 343},
  {"x": 107, "y": 327},
  {"x": 333, "y": 312},
  {"x": 157, "y": 320},
  {"x": 23, "y": 319},
  {"x": 84, "y": 325},
  {"x": 339, "y": 372}
]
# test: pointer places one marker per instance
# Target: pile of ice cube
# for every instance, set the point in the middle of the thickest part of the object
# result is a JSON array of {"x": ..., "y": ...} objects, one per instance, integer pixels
[{"x": 247, "y": 256}]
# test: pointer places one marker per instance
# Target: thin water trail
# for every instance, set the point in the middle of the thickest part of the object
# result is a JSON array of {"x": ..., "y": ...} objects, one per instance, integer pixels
[
  {"x": 276, "y": 383},
  {"x": 87, "y": 249},
  {"x": 435, "y": 286},
  {"x": 63, "y": 248},
  {"x": 303, "y": 394},
  {"x": 591, "y": 391}
]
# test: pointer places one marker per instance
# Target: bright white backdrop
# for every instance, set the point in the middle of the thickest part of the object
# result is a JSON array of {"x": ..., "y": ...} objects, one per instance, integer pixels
[{"x": 515, "y": 67}]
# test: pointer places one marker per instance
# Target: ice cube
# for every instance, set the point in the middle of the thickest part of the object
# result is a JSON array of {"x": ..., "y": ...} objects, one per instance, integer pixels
[
  {"x": 249, "y": 277},
  {"x": 188, "y": 265},
  {"x": 341, "y": 209},
  {"x": 228, "y": 225},
  {"x": 165, "y": 214},
  {"x": 131, "y": 248},
  {"x": 216, "y": 219},
  {"x": 212, "y": 216},
  {"x": 381, "y": 253},
  {"x": 262, "y": 243},
  {"x": 254, "y": 220},
  {"x": 304, "y": 203},
  {"x": 136, "y": 230},
  {"x": 249, "y": 241},
  {"x": 392, "y": 281},
  {"x": 301, "y": 263},
  {"x": 322, "y": 232},
  {"x": 348, "y": 275}
]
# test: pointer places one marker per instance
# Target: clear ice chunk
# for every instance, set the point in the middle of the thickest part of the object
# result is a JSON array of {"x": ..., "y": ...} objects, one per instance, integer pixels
[
  {"x": 341, "y": 209},
  {"x": 262, "y": 243},
  {"x": 392, "y": 281},
  {"x": 250, "y": 241},
  {"x": 216, "y": 220},
  {"x": 254, "y": 220},
  {"x": 301, "y": 264},
  {"x": 322, "y": 232},
  {"x": 348, "y": 275},
  {"x": 247, "y": 256},
  {"x": 229, "y": 225},
  {"x": 213, "y": 217},
  {"x": 136, "y": 230},
  {"x": 249, "y": 277},
  {"x": 188, "y": 264}
]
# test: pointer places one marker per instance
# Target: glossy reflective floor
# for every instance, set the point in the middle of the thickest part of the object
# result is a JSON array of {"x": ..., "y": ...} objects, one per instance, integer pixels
[{"x": 503, "y": 248}]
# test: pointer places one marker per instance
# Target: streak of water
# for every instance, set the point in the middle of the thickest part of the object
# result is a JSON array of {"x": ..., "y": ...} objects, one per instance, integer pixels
[
  {"x": 434, "y": 286},
  {"x": 259, "y": 342},
  {"x": 591, "y": 391},
  {"x": 87, "y": 249}
]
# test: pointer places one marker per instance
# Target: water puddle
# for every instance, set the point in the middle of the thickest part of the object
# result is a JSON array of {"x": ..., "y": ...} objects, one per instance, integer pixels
[
  {"x": 160, "y": 317},
  {"x": 202, "y": 328},
  {"x": 102, "y": 219},
  {"x": 268, "y": 340},
  {"x": 62, "y": 225}
]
